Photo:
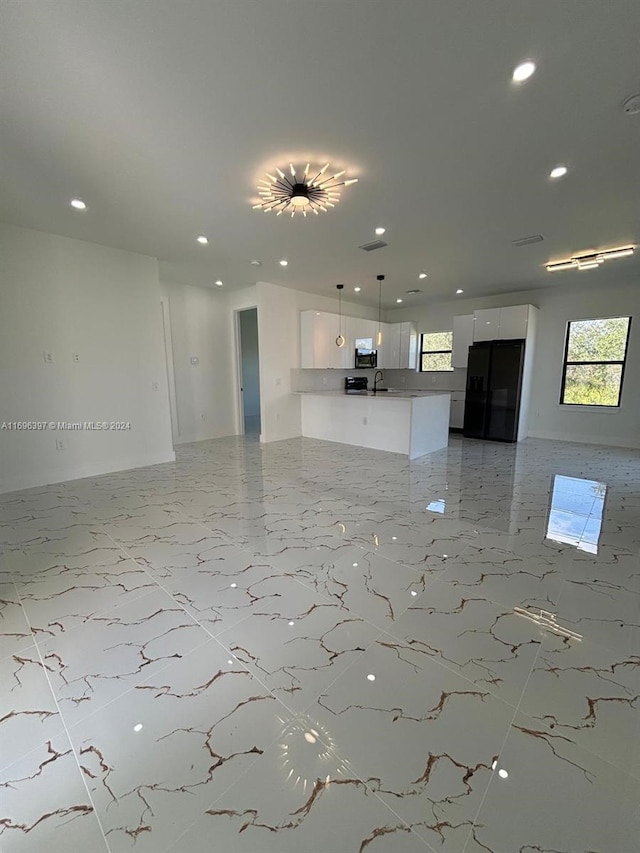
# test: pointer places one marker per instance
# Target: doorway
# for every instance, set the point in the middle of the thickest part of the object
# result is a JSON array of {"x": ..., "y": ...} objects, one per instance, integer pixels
[
  {"x": 168, "y": 360},
  {"x": 249, "y": 371}
]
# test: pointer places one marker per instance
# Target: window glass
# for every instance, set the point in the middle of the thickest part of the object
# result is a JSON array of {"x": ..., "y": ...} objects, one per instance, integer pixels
[
  {"x": 594, "y": 362},
  {"x": 436, "y": 351}
]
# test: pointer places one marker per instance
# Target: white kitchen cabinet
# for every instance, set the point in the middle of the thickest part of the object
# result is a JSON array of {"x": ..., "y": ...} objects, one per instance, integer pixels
[
  {"x": 385, "y": 354},
  {"x": 456, "y": 412},
  {"x": 408, "y": 345},
  {"x": 319, "y": 329},
  {"x": 462, "y": 340},
  {"x": 399, "y": 346},
  {"x": 389, "y": 352},
  {"x": 486, "y": 324},
  {"x": 513, "y": 322},
  {"x": 318, "y": 333},
  {"x": 501, "y": 324}
]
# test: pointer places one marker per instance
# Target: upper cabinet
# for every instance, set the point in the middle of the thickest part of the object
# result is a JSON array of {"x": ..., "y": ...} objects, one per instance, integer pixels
[
  {"x": 514, "y": 322},
  {"x": 399, "y": 346},
  {"x": 486, "y": 324},
  {"x": 318, "y": 333},
  {"x": 319, "y": 329},
  {"x": 462, "y": 339},
  {"x": 408, "y": 345},
  {"x": 501, "y": 324}
]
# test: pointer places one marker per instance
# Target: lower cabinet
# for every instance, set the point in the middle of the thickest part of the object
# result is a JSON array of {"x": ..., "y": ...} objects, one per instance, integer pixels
[{"x": 456, "y": 412}]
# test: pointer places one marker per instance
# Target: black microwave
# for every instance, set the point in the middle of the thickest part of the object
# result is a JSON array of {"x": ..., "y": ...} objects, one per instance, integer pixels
[{"x": 366, "y": 358}]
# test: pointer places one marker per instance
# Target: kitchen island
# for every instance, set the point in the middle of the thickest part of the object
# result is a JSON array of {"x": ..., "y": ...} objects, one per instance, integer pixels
[{"x": 410, "y": 422}]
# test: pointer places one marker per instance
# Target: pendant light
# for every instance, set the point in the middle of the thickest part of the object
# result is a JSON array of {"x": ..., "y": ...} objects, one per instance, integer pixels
[
  {"x": 379, "y": 335},
  {"x": 340, "y": 338}
]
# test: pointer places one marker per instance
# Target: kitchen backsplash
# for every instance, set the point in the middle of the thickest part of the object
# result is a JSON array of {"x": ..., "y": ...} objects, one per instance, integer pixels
[{"x": 333, "y": 380}]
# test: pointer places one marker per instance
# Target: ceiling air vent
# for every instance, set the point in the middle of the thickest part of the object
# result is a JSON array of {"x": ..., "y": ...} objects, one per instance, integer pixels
[
  {"x": 527, "y": 241},
  {"x": 374, "y": 244},
  {"x": 414, "y": 291}
]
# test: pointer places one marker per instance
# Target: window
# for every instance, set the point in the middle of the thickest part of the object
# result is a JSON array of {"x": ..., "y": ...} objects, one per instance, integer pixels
[
  {"x": 594, "y": 360},
  {"x": 436, "y": 351}
]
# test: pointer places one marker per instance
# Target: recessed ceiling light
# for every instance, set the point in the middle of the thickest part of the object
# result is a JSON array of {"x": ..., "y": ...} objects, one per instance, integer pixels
[
  {"x": 523, "y": 71},
  {"x": 558, "y": 172},
  {"x": 380, "y": 231},
  {"x": 137, "y": 727},
  {"x": 357, "y": 289},
  {"x": 398, "y": 300},
  {"x": 459, "y": 290},
  {"x": 202, "y": 240},
  {"x": 284, "y": 263},
  {"x": 255, "y": 263},
  {"x": 78, "y": 204},
  {"x": 371, "y": 677},
  {"x": 502, "y": 773},
  {"x": 219, "y": 283},
  {"x": 422, "y": 275}
]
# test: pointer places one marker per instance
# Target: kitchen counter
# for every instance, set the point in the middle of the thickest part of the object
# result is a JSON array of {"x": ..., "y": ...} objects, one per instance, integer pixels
[{"x": 409, "y": 422}]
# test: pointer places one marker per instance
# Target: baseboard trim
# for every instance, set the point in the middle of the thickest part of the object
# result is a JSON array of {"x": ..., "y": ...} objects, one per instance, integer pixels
[
  {"x": 81, "y": 472},
  {"x": 194, "y": 439},
  {"x": 585, "y": 439}
]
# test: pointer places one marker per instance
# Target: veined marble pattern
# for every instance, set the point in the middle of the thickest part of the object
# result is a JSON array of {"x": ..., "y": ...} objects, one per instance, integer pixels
[{"x": 307, "y": 646}]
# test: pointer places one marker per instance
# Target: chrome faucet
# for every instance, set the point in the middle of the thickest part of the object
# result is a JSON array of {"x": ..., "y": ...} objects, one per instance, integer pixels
[{"x": 378, "y": 377}]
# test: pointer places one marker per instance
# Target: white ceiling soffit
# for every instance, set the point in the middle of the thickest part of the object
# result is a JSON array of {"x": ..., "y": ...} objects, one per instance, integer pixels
[{"x": 162, "y": 116}]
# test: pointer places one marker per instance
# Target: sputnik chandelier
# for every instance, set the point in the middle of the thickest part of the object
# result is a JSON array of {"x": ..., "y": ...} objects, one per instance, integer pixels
[{"x": 298, "y": 192}]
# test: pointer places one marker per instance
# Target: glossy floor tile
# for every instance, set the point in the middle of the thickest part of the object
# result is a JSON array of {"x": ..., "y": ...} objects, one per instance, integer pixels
[{"x": 306, "y": 646}]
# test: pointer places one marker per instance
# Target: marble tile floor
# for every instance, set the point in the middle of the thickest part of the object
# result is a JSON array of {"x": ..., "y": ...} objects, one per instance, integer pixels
[{"x": 310, "y": 647}]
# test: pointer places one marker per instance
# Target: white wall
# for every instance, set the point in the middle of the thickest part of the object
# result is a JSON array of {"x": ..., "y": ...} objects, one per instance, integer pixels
[
  {"x": 558, "y": 305},
  {"x": 204, "y": 391},
  {"x": 63, "y": 296}
]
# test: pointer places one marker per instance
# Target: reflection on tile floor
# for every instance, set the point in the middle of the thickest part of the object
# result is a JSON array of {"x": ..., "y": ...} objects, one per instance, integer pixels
[{"x": 306, "y": 646}]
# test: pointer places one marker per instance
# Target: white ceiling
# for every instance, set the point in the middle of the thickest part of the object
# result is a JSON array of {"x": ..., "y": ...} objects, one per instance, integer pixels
[{"x": 162, "y": 114}]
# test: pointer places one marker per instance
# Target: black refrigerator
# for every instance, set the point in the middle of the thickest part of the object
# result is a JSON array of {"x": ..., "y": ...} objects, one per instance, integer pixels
[{"x": 494, "y": 386}]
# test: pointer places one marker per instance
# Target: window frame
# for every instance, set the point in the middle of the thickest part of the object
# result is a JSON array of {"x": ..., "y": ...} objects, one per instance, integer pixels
[
  {"x": 566, "y": 363},
  {"x": 436, "y": 351}
]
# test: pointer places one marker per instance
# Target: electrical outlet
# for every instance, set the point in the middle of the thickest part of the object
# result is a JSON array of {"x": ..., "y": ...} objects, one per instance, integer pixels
[
  {"x": 155, "y": 386},
  {"x": 278, "y": 381},
  {"x": 365, "y": 421},
  {"x": 75, "y": 356},
  {"x": 195, "y": 360},
  {"x": 48, "y": 357},
  {"x": 60, "y": 445},
  {"x": 203, "y": 416},
  {"x": 324, "y": 380}
]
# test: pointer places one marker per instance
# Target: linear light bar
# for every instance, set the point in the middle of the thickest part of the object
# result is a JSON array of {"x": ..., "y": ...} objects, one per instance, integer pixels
[
  {"x": 592, "y": 260},
  {"x": 616, "y": 253}
]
